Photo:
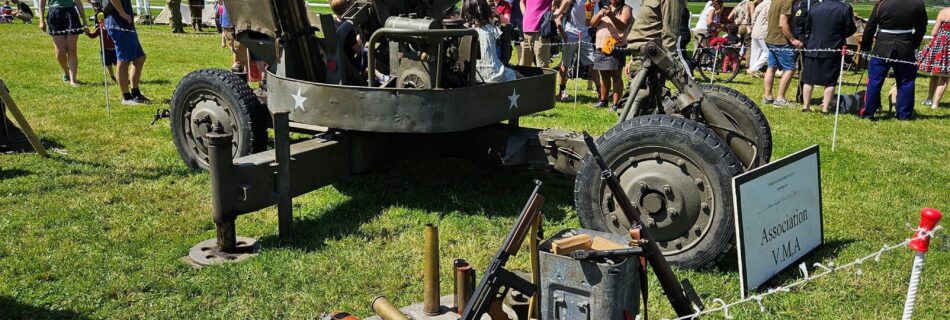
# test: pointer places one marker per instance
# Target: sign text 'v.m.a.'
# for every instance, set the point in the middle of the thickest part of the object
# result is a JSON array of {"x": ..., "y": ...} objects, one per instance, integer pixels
[{"x": 778, "y": 216}]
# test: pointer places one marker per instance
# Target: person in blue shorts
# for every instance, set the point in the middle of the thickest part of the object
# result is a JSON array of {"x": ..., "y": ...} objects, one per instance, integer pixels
[
  {"x": 783, "y": 51},
  {"x": 128, "y": 49}
]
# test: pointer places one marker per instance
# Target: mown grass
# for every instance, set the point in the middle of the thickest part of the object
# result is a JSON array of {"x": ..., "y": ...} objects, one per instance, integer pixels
[{"x": 98, "y": 230}]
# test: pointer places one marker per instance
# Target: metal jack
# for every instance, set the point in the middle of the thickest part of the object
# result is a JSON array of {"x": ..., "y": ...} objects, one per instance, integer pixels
[{"x": 226, "y": 246}]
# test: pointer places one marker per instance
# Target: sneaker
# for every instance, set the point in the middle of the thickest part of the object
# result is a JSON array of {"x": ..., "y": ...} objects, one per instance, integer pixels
[
  {"x": 74, "y": 85},
  {"x": 66, "y": 78},
  {"x": 565, "y": 96},
  {"x": 614, "y": 108},
  {"x": 928, "y": 103},
  {"x": 600, "y": 104},
  {"x": 131, "y": 102},
  {"x": 141, "y": 99},
  {"x": 767, "y": 101},
  {"x": 780, "y": 103}
]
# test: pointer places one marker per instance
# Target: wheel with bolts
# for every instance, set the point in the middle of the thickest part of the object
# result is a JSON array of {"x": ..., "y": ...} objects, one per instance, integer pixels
[
  {"x": 210, "y": 97},
  {"x": 746, "y": 116},
  {"x": 678, "y": 174}
]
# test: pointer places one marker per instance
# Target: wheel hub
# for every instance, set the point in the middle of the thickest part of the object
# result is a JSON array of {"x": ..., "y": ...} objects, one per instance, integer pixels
[
  {"x": 670, "y": 192},
  {"x": 205, "y": 111}
]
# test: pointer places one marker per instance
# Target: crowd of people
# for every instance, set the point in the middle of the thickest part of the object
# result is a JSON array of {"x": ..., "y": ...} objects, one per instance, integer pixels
[
  {"x": 784, "y": 38},
  {"x": 594, "y": 37}
]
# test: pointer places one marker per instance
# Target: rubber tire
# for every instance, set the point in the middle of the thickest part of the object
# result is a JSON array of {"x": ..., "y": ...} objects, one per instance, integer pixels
[
  {"x": 692, "y": 139},
  {"x": 250, "y": 116},
  {"x": 747, "y": 115},
  {"x": 709, "y": 56}
]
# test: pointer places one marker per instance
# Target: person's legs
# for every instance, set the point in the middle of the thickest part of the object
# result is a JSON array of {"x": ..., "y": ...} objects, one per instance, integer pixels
[
  {"x": 787, "y": 64},
  {"x": 877, "y": 73},
  {"x": 542, "y": 52},
  {"x": 60, "y": 48},
  {"x": 931, "y": 87},
  {"x": 567, "y": 59},
  {"x": 527, "y": 53},
  {"x": 754, "y": 53},
  {"x": 136, "y": 72},
  {"x": 939, "y": 90},
  {"x": 123, "y": 78},
  {"x": 769, "y": 80},
  {"x": 617, "y": 85},
  {"x": 905, "y": 74},
  {"x": 72, "y": 60},
  {"x": 605, "y": 81},
  {"x": 826, "y": 100},
  {"x": 806, "y": 96}
]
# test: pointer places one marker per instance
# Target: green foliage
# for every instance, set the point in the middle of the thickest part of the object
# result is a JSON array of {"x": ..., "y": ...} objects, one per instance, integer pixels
[{"x": 98, "y": 232}]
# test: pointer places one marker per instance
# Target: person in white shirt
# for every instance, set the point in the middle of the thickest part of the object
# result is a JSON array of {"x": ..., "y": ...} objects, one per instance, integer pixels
[{"x": 759, "y": 55}]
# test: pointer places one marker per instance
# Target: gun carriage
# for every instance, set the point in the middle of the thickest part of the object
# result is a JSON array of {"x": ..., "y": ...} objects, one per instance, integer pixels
[{"x": 677, "y": 171}]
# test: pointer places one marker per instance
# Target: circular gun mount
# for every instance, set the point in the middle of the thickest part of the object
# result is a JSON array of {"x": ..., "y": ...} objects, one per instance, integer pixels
[{"x": 207, "y": 252}]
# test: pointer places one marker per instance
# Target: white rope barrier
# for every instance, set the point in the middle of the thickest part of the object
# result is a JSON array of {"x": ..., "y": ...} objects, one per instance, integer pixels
[{"x": 822, "y": 271}]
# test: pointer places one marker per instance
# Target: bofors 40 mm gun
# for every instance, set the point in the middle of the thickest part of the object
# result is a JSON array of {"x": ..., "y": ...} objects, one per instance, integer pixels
[{"x": 676, "y": 171}]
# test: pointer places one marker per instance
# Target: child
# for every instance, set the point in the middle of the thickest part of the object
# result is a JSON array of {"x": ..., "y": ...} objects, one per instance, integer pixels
[
  {"x": 238, "y": 52},
  {"x": 107, "y": 51},
  {"x": 478, "y": 15},
  {"x": 6, "y": 13}
]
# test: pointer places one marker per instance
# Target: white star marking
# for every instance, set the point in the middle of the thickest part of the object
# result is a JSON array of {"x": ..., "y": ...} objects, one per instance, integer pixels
[
  {"x": 299, "y": 100},
  {"x": 514, "y": 99}
]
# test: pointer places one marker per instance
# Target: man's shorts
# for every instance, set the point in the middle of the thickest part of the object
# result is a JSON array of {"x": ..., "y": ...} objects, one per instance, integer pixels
[
  {"x": 782, "y": 57},
  {"x": 569, "y": 50},
  {"x": 127, "y": 45}
]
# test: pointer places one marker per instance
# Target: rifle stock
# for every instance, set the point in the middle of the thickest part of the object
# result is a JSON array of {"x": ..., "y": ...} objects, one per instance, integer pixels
[
  {"x": 496, "y": 278},
  {"x": 671, "y": 286}
]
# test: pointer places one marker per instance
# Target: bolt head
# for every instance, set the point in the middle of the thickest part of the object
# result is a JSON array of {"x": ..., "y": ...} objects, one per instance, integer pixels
[
  {"x": 643, "y": 186},
  {"x": 704, "y": 205},
  {"x": 672, "y": 212},
  {"x": 681, "y": 163},
  {"x": 667, "y": 189}
]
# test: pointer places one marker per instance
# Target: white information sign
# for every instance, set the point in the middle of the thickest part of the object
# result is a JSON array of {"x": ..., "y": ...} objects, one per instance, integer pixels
[{"x": 778, "y": 216}]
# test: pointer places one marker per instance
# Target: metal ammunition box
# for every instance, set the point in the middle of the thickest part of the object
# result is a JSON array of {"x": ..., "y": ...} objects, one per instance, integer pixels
[{"x": 581, "y": 290}]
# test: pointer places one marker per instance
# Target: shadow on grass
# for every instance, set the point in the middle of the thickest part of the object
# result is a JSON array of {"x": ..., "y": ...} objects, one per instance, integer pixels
[
  {"x": 13, "y": 173},
  {"x": 437, "y": 186},
  {"x": 156, "y": 81},
  {"x": 12, "y": 309}
]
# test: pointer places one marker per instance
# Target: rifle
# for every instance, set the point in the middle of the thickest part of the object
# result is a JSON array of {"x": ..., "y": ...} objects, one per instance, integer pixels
[
  {"x": 681, "y": 300},
  {"x": 497, "y": 279}
]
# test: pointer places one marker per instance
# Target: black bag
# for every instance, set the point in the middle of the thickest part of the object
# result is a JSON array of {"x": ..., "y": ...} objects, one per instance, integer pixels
[{"x": 548, "y": 26}]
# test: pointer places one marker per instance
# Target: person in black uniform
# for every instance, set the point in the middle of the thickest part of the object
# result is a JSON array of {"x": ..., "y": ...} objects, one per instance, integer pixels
[
  {"x": 896, "y": 28},
  {"x": 828, "y": 25}
]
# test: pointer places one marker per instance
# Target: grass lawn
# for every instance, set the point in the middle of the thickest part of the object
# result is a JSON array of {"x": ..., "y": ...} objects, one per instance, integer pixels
[{"x": 98, "y": 232}]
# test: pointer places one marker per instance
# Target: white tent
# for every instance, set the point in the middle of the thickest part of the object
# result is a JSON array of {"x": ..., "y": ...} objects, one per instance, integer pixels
[{"x": 207, "y": 15}]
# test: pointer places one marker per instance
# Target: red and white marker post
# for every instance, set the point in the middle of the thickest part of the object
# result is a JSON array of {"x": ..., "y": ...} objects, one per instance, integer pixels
[{"x": 920, "y": 242}]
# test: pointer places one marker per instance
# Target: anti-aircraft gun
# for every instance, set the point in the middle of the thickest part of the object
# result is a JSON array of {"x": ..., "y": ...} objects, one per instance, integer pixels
[{"x": 417, "y": 96}]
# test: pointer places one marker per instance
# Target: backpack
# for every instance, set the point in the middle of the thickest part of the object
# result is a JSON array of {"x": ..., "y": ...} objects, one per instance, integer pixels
[{"x": 548, "y": 26}]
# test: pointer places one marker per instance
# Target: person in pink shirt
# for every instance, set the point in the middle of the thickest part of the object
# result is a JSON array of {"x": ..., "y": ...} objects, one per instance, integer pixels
[{"x": 535, "y": 49}]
